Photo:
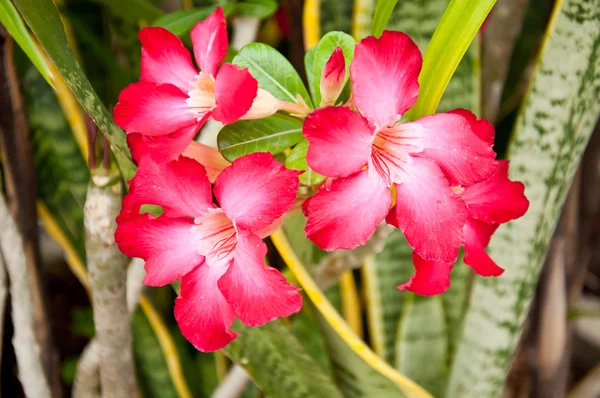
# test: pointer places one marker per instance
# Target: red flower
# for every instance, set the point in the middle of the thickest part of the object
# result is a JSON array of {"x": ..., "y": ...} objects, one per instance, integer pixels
[
  {"x": 371, "y": 156},
  {"x": 490, "y": 203},
  {"x": 173, "y": 100},
  {"x": 216, "y": 251}
]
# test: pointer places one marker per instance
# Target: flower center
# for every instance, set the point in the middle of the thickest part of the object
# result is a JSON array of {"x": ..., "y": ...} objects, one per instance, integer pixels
[
  {"x": 217, "y": 236},
  {"x": 391, "y": 150},
  {"x": 202, "y": 95}
]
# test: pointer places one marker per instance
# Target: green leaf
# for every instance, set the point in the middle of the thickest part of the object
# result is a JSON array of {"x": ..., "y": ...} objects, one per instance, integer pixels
[
  {"x": 12, "y": 22},
  {"x": 273, "y": 134},
  {"x": 297, "y": 160},
  {"x": 383, "y": 11},
  {"x": 278, "y": 364},
  {"x": 43, "y": 19},
  {"x": 150, "y": 363},
  {"x": 180, "y": 22},
  {"x": 306, "y": 329},
  {"x": 381, "y": 274},
  {"x": 132, "y": 11},
  {"x": 309, "y": 60},
  {"x": 323, "y": 52},
  {"x": 422, "y": 340},
  {"x": 273, "y": 72},
  {"x": 554, "y": 125},
  {"x": 455, "y": 32},
  {"x": 256, "y": 8}
]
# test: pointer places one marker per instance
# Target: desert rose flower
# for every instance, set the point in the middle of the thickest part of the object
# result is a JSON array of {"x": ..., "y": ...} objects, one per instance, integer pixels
[
  {"x": 216, "y": 251},
  {"x": 490, "y": 203},
  {"x": 173, "y": 99},
  {"x": 374, "y": 161}
]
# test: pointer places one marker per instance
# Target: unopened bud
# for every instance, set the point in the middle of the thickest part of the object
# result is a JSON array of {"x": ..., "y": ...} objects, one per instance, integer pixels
[{"x": 332, "y": 79}]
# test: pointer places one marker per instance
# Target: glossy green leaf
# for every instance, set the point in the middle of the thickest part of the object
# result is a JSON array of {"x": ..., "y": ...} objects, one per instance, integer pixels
[
  {"x": 12, "y": 22},
  {"x": 297, "y": 160},
  {"x": 382, "y": 274},
  {"x": 180, "y": 22},
  {"x": 309, "y": 61},
  {"x": 43, "y": 19},
  {"x": 323, "y": 52},
  {"x": 278, "y": 363},
  {"x": 453, "y": 36},
  {"x": 132, "y": 11},
  {"x": 256, "y": 8},
  {"x": 422, "y": 340},
  {"x": 383, "y": 11},
  {"x": 273, "y": 134},
  {"x": 273, "y": 72},
  {"x": 555, "y": 122}
]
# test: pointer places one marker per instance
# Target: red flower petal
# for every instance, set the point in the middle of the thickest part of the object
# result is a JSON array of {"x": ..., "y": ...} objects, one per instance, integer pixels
[
  {"x": 166, "y": 244},
  {"x": 481, "y": 127},
  {"x": 430, "y": 277},
  {"x": 153, "y": 110},
  {"x": 180, "y": 187},
  {"x": 477, "y": 237},
  {"x": 235, "y": 90},
  {"x": 255, "y": 190},
  {"x": 384, "y": 76},
  {"x": 209, "y": 38},
  {"x": 257, "y": 293},
  {"x": 462, "y": 156},
  {"x": 339, "y": 141},
  {"x": 346, "y": 214},
  {"x": 165, "y": 60},
  {"x": 428, "y": 212},
  {"x": 497, "y": 199},
  {"x": 203, "y": 314}
]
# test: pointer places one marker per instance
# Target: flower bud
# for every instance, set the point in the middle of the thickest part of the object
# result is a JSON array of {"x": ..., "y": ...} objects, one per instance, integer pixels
[{"x": 332, "y": 79}]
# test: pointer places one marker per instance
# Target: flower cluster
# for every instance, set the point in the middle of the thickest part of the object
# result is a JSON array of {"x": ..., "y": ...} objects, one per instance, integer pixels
[{"x": 435, "y": 178}]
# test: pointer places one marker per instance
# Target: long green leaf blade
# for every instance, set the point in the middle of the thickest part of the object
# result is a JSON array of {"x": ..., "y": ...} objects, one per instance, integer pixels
[
  {"x": 455, "y": 32},
  {"x": 554, "y": 126},
  {"x": 12, "y": 22},
  {"x": 43, "y": 19},
  {"x": 383, "y": 11}
]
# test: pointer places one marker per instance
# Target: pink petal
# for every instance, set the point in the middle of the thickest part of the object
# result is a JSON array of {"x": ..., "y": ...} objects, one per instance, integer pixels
[
  {"x": 209, "y": 38},
  {"x": 235, "y": 90},
  {"x": 165, "y": 60},
  {"x": 430, "y": 277},
  {"x": 153, "y": 110},
  {"x": 332, "y": 79},
  {"x": 203, "y": 314},
  {"x": 339, "y": 141},
  {"x": 166, "y": 244},
  {"x": 165, "y": 148},
  {"x": 481, "y": 127},
  {"x": 452, "y": 144},
  {"x": 255, "y": 190},
  {"x": 257, "y": 293},
  {"x": 180, "y": 187},
  {"x": 384, "y": 76},
  {"x": 209, "y": 157},
  {"x": 477, "y": 237},
  {"x": 429, "y": 213},
  {"x": 497, "y": 199},
  {"x": 345, "y": 214}
]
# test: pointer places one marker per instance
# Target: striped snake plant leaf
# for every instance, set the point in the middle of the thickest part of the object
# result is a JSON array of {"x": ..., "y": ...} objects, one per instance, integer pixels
[
  {"x": 422, "y": 342},
  {"x": 551, "y": 132},
  {"x": 43, "y": 19}
]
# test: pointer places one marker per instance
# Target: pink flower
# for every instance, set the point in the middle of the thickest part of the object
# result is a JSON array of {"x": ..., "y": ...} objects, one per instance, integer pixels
[
  {"x": 490, "y": 203},
  {"x": 371, "y": 158},
  {"x": 173, "y": 100},
  {"x": 216, "y": 251}
]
